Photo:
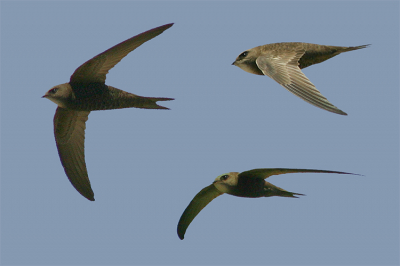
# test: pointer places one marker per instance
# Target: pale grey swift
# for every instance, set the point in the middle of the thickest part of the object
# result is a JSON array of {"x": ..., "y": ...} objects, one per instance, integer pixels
[
  {"x": 248, "y": 184},
  {"x": 283, "y": 63},
  {"x": 85, "y": 92}
]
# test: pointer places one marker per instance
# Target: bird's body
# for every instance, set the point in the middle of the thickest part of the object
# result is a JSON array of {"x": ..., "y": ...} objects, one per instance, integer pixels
[
  {"x": 313, "y": 53},
  {"x": 248, "y": 184},
  {"x": 248, "y": 187},
  {"x": 283, "y": 61},
  {"x": 257, "y": 188},
  {"x": 88, "y": 92},
  {"x": 99, "y": 96}
]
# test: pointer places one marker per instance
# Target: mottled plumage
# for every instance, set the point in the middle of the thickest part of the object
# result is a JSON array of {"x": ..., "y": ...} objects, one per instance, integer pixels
[
  {"x": 85, "y": 92},
  {"x": 283, "y": 63},
  {"x": 248, "y": 184}
]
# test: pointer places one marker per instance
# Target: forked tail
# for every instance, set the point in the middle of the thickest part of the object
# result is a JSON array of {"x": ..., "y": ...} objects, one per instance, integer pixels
[
  {"x": 352, "y": 48},
  {"x": 151, "y": 103}
]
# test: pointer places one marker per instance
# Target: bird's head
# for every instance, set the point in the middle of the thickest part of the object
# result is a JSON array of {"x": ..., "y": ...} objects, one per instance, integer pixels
[
  {"x": 226, "y": 182},
  {"x": 59, "y": 94},
  {"x": 247, "y": 61}
]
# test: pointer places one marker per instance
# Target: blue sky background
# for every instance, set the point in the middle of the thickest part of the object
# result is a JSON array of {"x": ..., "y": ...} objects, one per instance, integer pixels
[{"x": 145, "y": 166}]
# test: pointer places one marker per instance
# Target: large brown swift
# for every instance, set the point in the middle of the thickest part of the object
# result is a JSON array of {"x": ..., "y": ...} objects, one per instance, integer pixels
[
  {"x": 85, "y": 92},
  {"x": 283, "y": 63}
]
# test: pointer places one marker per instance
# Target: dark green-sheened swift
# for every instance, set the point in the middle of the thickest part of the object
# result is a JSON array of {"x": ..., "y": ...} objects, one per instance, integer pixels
[
  {"x": 85, "y": 92},
  {"x": 248, "y": 184},
  {"x": 283, "y": 63}
]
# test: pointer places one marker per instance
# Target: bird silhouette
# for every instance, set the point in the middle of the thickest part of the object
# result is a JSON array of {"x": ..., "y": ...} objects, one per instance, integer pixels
[
  {"x": 283, "y": 63},
  {"x": 85, "y": 92},
  {"x": 248, "y": 184}
]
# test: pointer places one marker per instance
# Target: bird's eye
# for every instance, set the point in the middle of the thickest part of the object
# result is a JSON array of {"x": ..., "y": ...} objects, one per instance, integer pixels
[
  {"x": 53, "y": 90},
  {"x": 244, "y": 54},
  {"x": 224, "y": 177}
]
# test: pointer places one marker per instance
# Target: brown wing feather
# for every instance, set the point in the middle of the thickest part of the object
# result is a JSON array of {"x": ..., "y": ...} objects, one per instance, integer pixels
[
  {"x": 205, "y": 196},
  {"x": 69, "y": 131},
  {"x": 96, "y": 69},
  {"x": 284, "y": 69},
  {"x": 264, "y": 173}
]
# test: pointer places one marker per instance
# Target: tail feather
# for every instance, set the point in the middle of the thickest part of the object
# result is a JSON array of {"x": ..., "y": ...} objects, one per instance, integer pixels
[
  {"x": 117, "y": 99},
  {"x": 296, "y": 194},
  {"x": 352, "y": 48},
  {"x": 151, "y": 103},
  {"x": 272, "y": 190},
  {"x": 288, "y": 194}
]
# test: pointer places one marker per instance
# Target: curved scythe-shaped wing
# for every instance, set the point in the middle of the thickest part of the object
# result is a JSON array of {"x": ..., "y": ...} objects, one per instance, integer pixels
[{"x": 205, "y": 196}]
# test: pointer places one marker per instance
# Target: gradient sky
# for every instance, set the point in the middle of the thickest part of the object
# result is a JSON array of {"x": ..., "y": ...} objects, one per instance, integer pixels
[{"x": 145, "y": 166}]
